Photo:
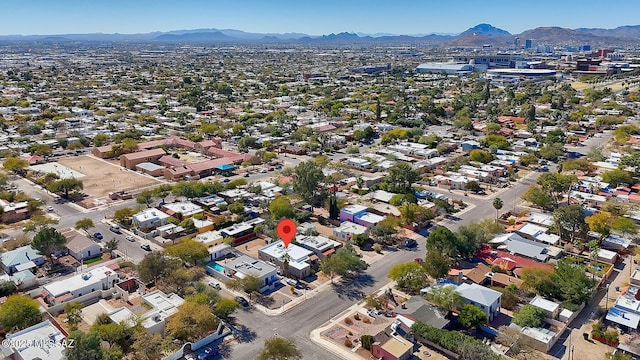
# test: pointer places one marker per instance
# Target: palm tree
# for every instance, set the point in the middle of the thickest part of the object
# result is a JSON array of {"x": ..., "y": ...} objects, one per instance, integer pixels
[
  {"x": 497, "y": 204},
  {"x": 285, "y": 258},
  {"x": 111, "y": 246}
]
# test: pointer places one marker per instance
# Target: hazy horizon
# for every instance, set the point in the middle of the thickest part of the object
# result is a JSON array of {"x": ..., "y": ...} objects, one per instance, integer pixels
[{"x": 403, "y": 17}]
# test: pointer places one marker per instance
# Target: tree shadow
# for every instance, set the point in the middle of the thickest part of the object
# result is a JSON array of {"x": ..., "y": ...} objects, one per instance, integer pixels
[
  {"x": 224, "y": 351},
  {"x": 351, "y": 287},
  {"x": 243, "y": 334}
]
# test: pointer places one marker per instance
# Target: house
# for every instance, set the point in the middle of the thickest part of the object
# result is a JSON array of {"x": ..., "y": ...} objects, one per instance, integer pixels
[
  {"x": 626, "y": 309},
  {"x": 13, "y": 212},
  {"x": 469, "y": 145},
  {"x": 297, "y": 257},
  {"x": 149, "y": 219},
  {"x": 19, "y": 259},
  {"x": 245, "y": 265},
  {"x": 486, "y": 299},
  {"x": 551, "y": 308},
  {"x": 182, "y": 210},
  {"x": 417, "y": 308},
  {"x": 516, "y": 244},
  {"x": 162, "y": 307},
  {"x": 100, "y": 278},
  {"x": 202, "y": 226},
  {"x": 360, "y": 164},
  {"x": 82, "y": 248},
  {"x": 347, "y": 230},
  {"x": 320, "y": 245},
  {"x": 395, "y": 348},
  {"x": 40, "y": 341},
  {"x": 360, "y": 215}
]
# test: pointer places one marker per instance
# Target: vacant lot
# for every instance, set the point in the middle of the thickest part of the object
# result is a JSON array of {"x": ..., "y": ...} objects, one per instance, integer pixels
[{"x": 101, "y": 177}]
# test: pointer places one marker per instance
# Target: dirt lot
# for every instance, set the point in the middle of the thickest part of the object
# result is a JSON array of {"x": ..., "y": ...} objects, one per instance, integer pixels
[{"x": 102, "y": 177}]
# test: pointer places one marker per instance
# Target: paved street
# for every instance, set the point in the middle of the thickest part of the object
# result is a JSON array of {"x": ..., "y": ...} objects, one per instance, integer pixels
[{"x": 298, "y": 322}]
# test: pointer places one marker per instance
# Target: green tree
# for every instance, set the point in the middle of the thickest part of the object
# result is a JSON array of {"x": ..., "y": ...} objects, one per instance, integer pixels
[
  {"x": 343, "y": 262},
  {"x": 124, "y": 215},
  {"x": 47, "y": 241},
  {"x": 537, "y": 196},
  {"x": 624, "y": 225},
  {"x": 572, "y": 282},
  {"x": 410, "y": 276},
  {"x": 73, "y": 310},
  {"x": 472, "y": 186},
  {"x": 497, "y": 204},
  {"x": 401, "y": 177},
  {"x": 65, "y": 186},
  {"x": 538, "y": 281},
  {"x": 86, "y": 346},
  {"x": 529, "y": 315},
  {"x": 443, "y": 240},
  {"x": 189, "y": 251},
  {"x": 308, "y": 176},
  {"x": 472, "y": 317},
  {"x": 444, "y": 296},
  {"x": 277, "y": 348},
  {"x": 236, "y": 207},
  {"x": 146, "y": 198},
  {"x": 84, "y": 224},
  {"x": 600, "y": 222},
  {"x": 225, "y": 307},
  {"x": 552, "y": 151},
  {"x": 192, "y": 322},
  {"x": 19, "y": 312},
  {"x": 15, "y": 165},
  {"x": 480, "y": 155},
  {"x": 616, "y": 177},
  {"x": 147, "y": 346},
  {"x": 39, "y": 222},
  {"x": 111, "y": 246},
  {"x": 155, "y": 265},
  {"x": 384, "y": 232},
  {"x": 570, "y": 222},
  {"x": 162, "y": 191},
  {"x": 436, "y": 264},
  {"x": 100, "y": 139},
  {"x": 249, "y": 284},
  {"x": 280, "y": 208},
  {"x": 556, "y": 184}
]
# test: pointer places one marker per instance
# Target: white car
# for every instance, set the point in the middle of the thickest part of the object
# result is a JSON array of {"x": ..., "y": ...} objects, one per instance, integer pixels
[
  {"x": 130, "y": 238},
  {"x": 50, "y": 209}
]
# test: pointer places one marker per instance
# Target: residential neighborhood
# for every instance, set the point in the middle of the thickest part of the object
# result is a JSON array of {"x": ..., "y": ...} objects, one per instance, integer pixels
[{"x": 459, "y": 200}]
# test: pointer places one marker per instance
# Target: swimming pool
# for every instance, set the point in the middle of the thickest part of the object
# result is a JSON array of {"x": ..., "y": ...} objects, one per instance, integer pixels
[{"x": 217, "y": 267}]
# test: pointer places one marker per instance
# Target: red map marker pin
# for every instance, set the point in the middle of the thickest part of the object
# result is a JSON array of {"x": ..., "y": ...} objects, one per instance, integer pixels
[{"x": 286, "y": 231}]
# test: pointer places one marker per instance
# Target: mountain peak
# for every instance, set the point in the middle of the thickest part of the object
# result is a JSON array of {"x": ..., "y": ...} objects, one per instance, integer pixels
[{"x": 486, "y": 30}]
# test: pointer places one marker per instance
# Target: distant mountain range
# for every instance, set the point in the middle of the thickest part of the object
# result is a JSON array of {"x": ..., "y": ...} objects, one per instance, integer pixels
[{"x": 478, "y": 35}]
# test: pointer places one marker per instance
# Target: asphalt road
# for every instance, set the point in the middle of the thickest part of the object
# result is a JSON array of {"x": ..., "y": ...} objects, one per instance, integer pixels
[{"x": 298, "y": 322}]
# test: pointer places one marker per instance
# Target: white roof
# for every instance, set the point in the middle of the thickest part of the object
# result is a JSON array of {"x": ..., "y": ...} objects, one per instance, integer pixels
[
  {"x": 149, "y": 214},
  {"x": 623, "y": 317},
  {"x": 185, "y": 207},
  {"x": 46, "y": 331},
  {"x": 478, "y": 294},
  {"x": 544, "y": 304},
  {"x": 350, "y": 227},
  {"x": 91, "y": 277},
  {"x": 277, "y": 250},
  {"x": 354, "y": 209},
  {"x": 539, "y": 218}
]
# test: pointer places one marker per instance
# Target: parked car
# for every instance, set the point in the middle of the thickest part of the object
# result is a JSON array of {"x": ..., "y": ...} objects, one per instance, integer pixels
[
  {"x": 98, "y": 236},
  {"x": 145, "y": 246},
  {"x": 292, "y": 282},
  {"x": 263, "y": 171},
  {"x": 226, "y": 180},
  {"x": 410, "y": 243},
  {"x": 215, "y": 285},
  {"x": 115, "y": 228},
  {"x": 246, "y": 175},
  {"x": 208, "y": 353},
  {"x": 242, "y": 301},
  {"x": 50, "y": 208},
  {"x": 130, "y": 238}
]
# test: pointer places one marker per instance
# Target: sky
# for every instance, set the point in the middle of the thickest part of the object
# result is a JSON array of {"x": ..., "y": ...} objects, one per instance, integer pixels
[{"x": 314, "y": 17}]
